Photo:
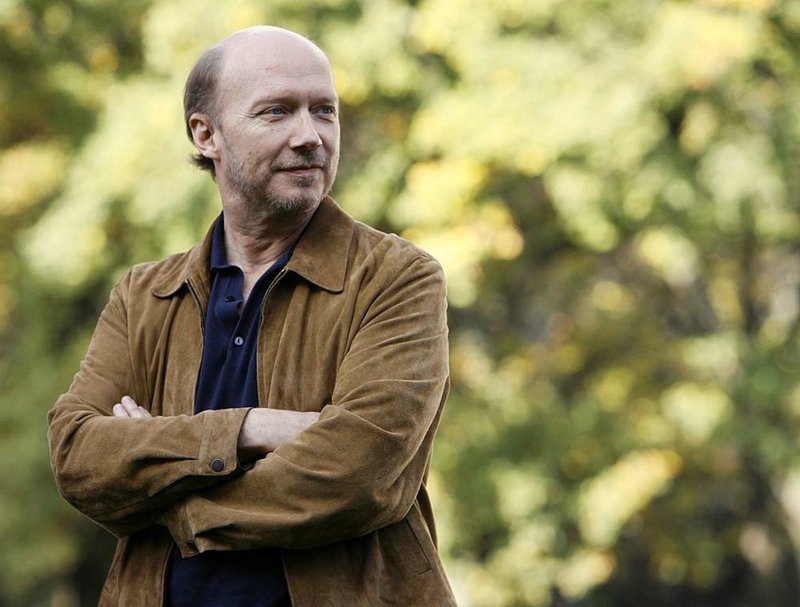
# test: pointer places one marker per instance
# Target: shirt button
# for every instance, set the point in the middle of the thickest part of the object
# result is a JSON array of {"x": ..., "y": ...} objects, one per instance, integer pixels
[
  {"x": 229, "y": 298},
  {"x": 217, "y": 464},
  {"x": 191, "y": 545},
  {"x": 238, "y": 341}
]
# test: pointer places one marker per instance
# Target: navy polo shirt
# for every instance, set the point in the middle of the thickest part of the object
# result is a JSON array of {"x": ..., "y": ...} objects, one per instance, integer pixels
[{"x": 228, "y": 378}]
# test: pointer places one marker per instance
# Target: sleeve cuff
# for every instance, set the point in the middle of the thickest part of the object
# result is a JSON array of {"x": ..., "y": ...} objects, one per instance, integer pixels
[
  {"x": 217, "y": 457},
  {"x": 218, "y": 454}
]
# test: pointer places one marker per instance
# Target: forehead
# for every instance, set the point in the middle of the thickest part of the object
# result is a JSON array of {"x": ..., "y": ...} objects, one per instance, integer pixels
[{"x": 255, "y": 67}]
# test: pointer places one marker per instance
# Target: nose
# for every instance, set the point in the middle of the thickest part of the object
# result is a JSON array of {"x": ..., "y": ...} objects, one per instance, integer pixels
[{"x": 305, "y": 134}]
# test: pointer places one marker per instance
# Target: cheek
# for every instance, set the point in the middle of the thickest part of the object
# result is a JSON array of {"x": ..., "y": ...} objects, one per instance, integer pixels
[{"x": 329, "y": 133}]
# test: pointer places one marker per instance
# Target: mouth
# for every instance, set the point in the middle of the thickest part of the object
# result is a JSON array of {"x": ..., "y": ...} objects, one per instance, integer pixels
[
  {"x": 304, "y": 172},
  {"x": 301, "y": 168}
]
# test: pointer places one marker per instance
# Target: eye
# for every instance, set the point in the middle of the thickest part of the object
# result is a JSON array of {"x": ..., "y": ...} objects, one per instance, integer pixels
[
  {"x": 328, "y": 110},
  {"x": 276, "y": 110}
]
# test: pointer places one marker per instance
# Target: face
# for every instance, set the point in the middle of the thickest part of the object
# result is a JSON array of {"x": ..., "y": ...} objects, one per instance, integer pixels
[{"x": 277, "y": 131}]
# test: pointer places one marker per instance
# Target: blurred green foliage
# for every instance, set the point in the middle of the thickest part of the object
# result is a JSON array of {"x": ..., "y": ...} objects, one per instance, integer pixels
[{"x": 613, "y": 188}]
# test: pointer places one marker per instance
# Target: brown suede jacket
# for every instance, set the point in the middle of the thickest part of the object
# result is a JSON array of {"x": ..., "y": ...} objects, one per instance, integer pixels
[{"x": 354, "y": 327}]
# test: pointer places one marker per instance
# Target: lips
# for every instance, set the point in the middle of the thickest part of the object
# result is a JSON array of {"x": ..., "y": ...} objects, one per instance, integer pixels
[
  {"x": 301, "y": 168},
  {"x": 304, "y": 173},
  {"x": 304, "y": 164}
]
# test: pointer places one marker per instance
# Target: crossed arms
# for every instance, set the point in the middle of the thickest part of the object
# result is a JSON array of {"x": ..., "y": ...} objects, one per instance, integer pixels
[
  {"x": 354, "y": 467},
  {"x": 263, "y": 430}
]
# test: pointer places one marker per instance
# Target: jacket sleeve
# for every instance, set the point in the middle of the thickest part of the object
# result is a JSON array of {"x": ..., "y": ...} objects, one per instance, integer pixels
[
  {"x": 360, "y": 466},
  {"x": 122, "y": 473}
]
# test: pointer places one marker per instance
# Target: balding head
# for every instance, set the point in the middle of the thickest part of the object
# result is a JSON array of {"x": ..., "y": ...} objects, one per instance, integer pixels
[
  {"x": 207, "y": 79},
  {"x": 276, "y": 40}
]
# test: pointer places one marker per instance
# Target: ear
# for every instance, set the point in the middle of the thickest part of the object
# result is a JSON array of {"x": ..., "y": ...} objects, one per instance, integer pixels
[{"x": 202, "y": 128}]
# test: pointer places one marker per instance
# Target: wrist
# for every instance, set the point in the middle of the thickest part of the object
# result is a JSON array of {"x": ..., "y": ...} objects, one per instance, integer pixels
[{"x": 251, "y": 444}]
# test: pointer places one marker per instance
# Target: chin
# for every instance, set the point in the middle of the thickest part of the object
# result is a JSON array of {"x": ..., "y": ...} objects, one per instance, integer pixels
[{"x": 290, "y": 204}]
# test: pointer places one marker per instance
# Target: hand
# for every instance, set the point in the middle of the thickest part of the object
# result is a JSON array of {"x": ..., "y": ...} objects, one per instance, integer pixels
[
  {"x": 127, "y": 407},
  {"x": 264, "y": 430}
]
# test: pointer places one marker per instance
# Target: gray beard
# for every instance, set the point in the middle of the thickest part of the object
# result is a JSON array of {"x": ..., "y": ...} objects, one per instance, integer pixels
[{"x": 267, "y": 204}]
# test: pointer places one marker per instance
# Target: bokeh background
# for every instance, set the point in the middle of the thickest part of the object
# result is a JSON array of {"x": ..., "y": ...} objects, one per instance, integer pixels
[{"x": 613, "y": 188}]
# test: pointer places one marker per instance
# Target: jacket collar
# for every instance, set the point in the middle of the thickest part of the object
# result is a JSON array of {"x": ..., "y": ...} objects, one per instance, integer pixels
[{"x": 320, "y": 255}]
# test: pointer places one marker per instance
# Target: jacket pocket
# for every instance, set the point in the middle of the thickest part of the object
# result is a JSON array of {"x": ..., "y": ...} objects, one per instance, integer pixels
[{"x": 408, "y": 544}]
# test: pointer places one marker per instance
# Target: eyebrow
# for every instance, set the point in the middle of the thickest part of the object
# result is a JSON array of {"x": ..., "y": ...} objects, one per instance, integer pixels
[{"x": 291, "y": 99}]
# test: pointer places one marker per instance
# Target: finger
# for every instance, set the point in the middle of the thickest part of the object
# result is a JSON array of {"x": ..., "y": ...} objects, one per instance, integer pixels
[
  {"x": 137, "y": 412},
  {"x": 128, "y": 403},
  {"x": 143, "y": 412},
  {"x": 119, "y": 411},
  {"x": 131, "y": 407}
]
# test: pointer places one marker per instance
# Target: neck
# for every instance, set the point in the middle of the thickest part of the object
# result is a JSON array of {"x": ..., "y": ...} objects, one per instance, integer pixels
[{"x": 254, "y": 244}]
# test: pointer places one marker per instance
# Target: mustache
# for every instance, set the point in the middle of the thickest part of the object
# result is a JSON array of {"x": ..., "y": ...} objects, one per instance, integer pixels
[{"x": 311, "y": 159}]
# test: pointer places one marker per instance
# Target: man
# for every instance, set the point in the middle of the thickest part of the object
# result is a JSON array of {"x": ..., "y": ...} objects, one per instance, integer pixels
[{"x": 254, "y": 418}]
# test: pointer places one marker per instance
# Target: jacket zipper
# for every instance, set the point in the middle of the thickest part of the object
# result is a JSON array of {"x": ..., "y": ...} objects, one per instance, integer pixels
[
  {"x": 164, "y": 573},
  {"x": 264, "y": 306},
  {"x": 280, "y": 275},
  {"x": 172, "y": 547},
  {"x": 196, "y": 298}
]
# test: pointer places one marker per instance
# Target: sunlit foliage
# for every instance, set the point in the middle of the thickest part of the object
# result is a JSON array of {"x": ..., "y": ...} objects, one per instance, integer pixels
[{"x": 612, "y": 187}]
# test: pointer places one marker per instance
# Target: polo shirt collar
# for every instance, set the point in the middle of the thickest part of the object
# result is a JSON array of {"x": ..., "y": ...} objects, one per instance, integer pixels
[{"x": 320, "y": 256}]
